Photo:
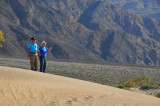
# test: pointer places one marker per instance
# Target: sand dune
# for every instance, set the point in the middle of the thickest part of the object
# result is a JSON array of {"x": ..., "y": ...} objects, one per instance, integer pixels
[{"x": 19, "y": 87}]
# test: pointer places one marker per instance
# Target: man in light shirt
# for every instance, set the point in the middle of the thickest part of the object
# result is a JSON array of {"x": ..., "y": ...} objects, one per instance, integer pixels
[{"x": 33, "y": 54}]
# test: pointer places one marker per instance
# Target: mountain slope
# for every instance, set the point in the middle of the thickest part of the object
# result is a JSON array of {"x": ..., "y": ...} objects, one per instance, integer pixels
[
  {"x": 100, "y": 15},
  {"x": 51, "y": 26},
  {"x": 83, "y": 31},
  {"x": 148, "y": 8}
]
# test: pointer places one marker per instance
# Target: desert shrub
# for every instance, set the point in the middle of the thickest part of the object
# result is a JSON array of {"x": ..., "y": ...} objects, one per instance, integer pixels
[
  {"x": 1, "y": 38},
  {"x": 130, "y": 83},
  {"x": 147, "y": 86},
  {"x": 138, "y": 81},
  {"x": 121, "y": 86},
  {"x": 158, "y": 95}
]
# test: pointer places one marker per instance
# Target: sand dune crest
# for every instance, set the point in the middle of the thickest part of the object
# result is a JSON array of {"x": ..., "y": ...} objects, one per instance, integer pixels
[{"x": 19, "y": 87}]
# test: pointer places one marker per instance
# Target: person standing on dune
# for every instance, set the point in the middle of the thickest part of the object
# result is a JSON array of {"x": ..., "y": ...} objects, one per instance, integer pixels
[
  {"x": 33, "y": 54},
  {"x": 43, "y": 53}
]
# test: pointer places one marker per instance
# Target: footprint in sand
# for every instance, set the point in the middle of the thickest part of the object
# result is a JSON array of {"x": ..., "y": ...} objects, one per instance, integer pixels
[
  {"x": 75, "y": 99},
  {"x": 69, "y": 102},
  {"x": 54, "y": 103},
  {"x": 88, "y": 97},
  {"x": 104, "y": 96}
]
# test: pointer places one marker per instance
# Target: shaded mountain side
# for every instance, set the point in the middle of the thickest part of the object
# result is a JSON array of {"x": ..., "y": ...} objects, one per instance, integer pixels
[
  {"x": 148, "y": 8},
  {"x": 51, "y": 26},
  {"x": 98, "y": 15},
  {"x": 80, "y": 30},
  {"x": 119, "y": 47}
]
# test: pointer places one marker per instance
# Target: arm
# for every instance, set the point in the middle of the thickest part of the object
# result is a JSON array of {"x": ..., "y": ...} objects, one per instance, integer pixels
[
  {"x": 28, "y": 50},
  {"x": 39, "y": 53},
  {"x": 50, "y": 49}
]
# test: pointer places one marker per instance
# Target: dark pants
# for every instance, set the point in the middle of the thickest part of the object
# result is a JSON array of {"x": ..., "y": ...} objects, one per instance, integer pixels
[{"x": 42, "y": 64}]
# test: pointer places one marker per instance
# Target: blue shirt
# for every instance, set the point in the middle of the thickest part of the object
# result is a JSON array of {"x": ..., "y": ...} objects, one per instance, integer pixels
[
  {"x": 33, "y": 47},
  {"x": 43, "y": 51}
]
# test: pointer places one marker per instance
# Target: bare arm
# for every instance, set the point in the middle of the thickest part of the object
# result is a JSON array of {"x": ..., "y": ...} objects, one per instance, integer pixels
[
  {"x": 38, "y": 51},
  {"x": 50, "y": 49},
  {"x": 39, "y": 54}
]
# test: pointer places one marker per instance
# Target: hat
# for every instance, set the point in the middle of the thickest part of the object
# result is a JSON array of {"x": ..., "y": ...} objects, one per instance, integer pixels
[
  {"x": 43, "y": 42},
  {"x": 33, "y": 38}
]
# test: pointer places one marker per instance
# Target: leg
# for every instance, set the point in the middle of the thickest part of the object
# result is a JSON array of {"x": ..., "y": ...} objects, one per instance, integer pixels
[
  {"x": 41, "y": 63},
  {"x": 36, "y": 62},
  {"x": 44, "y": 66},
  {"x": 32, "y": 61}
]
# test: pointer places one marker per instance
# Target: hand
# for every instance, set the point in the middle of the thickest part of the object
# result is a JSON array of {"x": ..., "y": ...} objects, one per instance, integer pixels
[
  {"x": 39, "y": 54},
  {"x": 50, "y": 48},
  {"x": 28, "y": 55}
]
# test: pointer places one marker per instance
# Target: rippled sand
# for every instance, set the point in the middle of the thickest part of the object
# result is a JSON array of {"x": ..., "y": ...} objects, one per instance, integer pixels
[{"x": 19, "y": 87}]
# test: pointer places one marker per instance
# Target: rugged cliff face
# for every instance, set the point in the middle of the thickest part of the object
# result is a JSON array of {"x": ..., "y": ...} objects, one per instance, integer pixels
[
  {"x": 148, "y": 8},
  {"x": 80, "y": 30}
]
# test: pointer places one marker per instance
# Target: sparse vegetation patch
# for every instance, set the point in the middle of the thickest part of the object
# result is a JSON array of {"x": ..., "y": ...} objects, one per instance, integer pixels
[
  {"x": 138, "y": 81},
  {"x": 158, "y": 95},
  {"x": 121, "y": 86},
  {"x": 147, "y": 86}
]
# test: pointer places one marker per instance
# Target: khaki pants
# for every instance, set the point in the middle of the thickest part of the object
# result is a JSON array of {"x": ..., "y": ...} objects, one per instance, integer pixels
[{"x": 34, "y": 61}]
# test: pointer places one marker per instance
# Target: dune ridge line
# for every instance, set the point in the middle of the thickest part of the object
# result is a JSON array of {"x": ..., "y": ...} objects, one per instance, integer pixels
[{"x": 19, "y": 87}]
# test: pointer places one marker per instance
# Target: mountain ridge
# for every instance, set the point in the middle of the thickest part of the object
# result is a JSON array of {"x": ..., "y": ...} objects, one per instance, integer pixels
[
  {"x": 82, "y": 31},
  {"x": 148, "y": 8}
]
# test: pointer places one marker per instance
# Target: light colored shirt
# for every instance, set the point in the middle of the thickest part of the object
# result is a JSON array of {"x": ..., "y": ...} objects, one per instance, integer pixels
[{"x": 33, "y": 47}]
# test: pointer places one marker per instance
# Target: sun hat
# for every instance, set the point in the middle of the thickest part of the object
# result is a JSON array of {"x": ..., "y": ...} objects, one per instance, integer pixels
[{"x": 43, "y": 42}]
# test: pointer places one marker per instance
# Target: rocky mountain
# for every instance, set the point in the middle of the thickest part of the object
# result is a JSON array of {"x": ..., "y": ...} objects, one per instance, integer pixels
[
  {"x": 148, "y": 8},
  {"x": 80, "y": 30}
]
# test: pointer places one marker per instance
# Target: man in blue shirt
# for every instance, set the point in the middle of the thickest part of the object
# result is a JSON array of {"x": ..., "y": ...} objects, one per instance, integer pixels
[{"x": 33, "y": 54}]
